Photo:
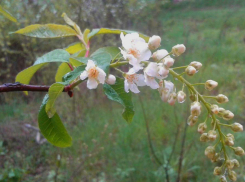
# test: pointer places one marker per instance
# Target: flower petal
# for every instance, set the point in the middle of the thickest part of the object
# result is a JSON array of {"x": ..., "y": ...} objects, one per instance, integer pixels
[
  {"x": 139, "y": 80},
  {"x": 101, "y": 76},
  {"x": 90, "y": 64},
  {"x": 126, "y": 86},
  {"x": 151, "y": 82},
  {"x": 92, "y": 83},
  {"x": 134, "y": 88},
  {"x": 152, "y": 69},
  {"x": 84, "y": 75}
]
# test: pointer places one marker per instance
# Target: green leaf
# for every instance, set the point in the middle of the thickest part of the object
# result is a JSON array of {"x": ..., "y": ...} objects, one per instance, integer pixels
[
  {"x": 71, "y": 23},
  {"x": 8, "y": 15},
  {"x": 54, "y": 91},
  {"x": 26, "y": 75},
  {"x": 58, "y": 55},
  {"x": 99, "y": 31},
  {"x": 47, "y": 31},
  {"x": 69, "y": 77},
  {"x": 75, "y": 47},
  {"x": 62, "y": 70},
  {"x": 116, "y": 93},
  {"x": 52, "y": 128},
  {"x": 113, "y": 51}
]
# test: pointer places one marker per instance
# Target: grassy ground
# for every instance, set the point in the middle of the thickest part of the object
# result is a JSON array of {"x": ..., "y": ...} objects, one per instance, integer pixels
[{"x": 105, "y": 148}]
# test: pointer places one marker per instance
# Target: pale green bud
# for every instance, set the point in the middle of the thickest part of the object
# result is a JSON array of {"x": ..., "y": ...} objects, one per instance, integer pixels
[
  {"x": 216, "y": 157},
  {"x": 196, "y": 108},
  {"x": 221, "y": 98},
  {"x": 223, "y": 179},
  {"x": 217, "y": 171},
  {"x": 221, "y": 112},
  {"x": 178, "y": 49},
  {"x": 227, "y": 115},
  {"x": 202, "y": 127},
  {"x": 210, "y": 152},
  {"x": 154, "y": 42},
  {"x": 232, "y": 175},
  {"x": 204, "y": 137},
  {"x": 239, "y": 151},
  {"x": 196, "y": 65},
  {"x": 229, "y": 164},
  {"x": 210, "y": 85},
  {"x": 192, "y": 120},
  {"x": 230, "y": 135},
  {"x": 237, "y": 127},
  {"x": 229, "y": 141},
  {"x": 236, "y": 163},
  {"x": 212, "y": 135},
  {"x": 214, "y": 108},
  {"x": 190, "y": 70},
  {"x": 181, "y": 96}
]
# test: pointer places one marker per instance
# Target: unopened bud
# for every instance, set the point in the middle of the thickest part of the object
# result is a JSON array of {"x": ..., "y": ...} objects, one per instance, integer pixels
[
  {"x": 193, "y": 98},
  {"x": 221, "y": 112},
  {"x": 237, "y": 127},
  {"x": 229, "y": 164},
  {"x": 210, "y": 152},
  {"x": 202, "y": 127},
  {"x": 222, "y": 179},
  {"x": 212, "y": 135},
  {"x": 230, "y": 135},
  {"x": 181, "y": 96},
  {"x": 111, "y": 79},
  {"x": 190, "y": 70},
  {"x": 196, "y": 108},
  {"x": 196, "y": 65},
  {"x": 215, "y": 109},
  {"x": 227, "y": 115},
  {"x": 236, "y": 163},
  {"x": 178, "y": 49},
  {"x": 160, "y": 54},
  {"x": 221, "y": 98},
  {"x": 217, "y": 171},
  {"x": 204, "y": 137},
  {"x": 232, "y": 175},
  {"x": 192, "y": 120},
  {"x": 172, "y": 98},
  {"x": 229, "y": 141},
  {"x": 168, "y": 62},
  {"x": 239, "y": 151},
  {"x": 216, "y": 157},
  {"x": 210, "y": 85},
  {"x": 154, "y": 42}
]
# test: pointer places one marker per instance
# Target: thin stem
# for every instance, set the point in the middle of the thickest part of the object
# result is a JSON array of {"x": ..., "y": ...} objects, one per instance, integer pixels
[
  {"x": 225, "y": 125},
  {"x": 164, "y": 57},
  {"x": 115, "y": 57},
  {"x": 148, "y": 133},
  {"x": 198, "y": 84},
  {"x": 181, "y": 67},
  {"x": 211, "y": 97}
]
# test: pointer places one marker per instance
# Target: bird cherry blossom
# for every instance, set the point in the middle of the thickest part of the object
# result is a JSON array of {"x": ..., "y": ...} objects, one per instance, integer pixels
[
  {"x": 132, "y": 80},
  {"x": 94, "y": 74},
  {"x": 135, "y": 50}
]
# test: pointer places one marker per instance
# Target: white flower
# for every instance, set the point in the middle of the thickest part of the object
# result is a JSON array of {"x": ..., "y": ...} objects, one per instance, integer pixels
[
  {"x": 178, "y": 49},
  {"x": 160, "y": 54},
  {"x": 135, "y": 50},
  {"x": 150, "y": 81},
  {"x": 162, "y": 71},
  {"x": 111, "y": 80},
  {"x": 133, "y": 80},
  {"x": 165, "y": 89},
  {"x": 154, "y": 42},
  {"x": 95, "y": 75},
  {"x": 172, "y": 98},
  {"x": 190, "y": 70}
]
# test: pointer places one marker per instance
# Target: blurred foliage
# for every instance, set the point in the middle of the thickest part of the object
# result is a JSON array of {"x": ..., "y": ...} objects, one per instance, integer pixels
[{"x": 105, "y": 147}]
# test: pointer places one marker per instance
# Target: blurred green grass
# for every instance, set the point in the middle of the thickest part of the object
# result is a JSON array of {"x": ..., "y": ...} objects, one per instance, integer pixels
[{"x": 105, "y": 148}]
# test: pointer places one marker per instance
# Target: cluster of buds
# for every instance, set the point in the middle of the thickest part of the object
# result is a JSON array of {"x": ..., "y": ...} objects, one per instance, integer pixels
[{"x": 151, "y": 67}]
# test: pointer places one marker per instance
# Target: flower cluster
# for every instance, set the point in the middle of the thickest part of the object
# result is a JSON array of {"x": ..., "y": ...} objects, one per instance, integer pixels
[{"x": 150, "y": 67}]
